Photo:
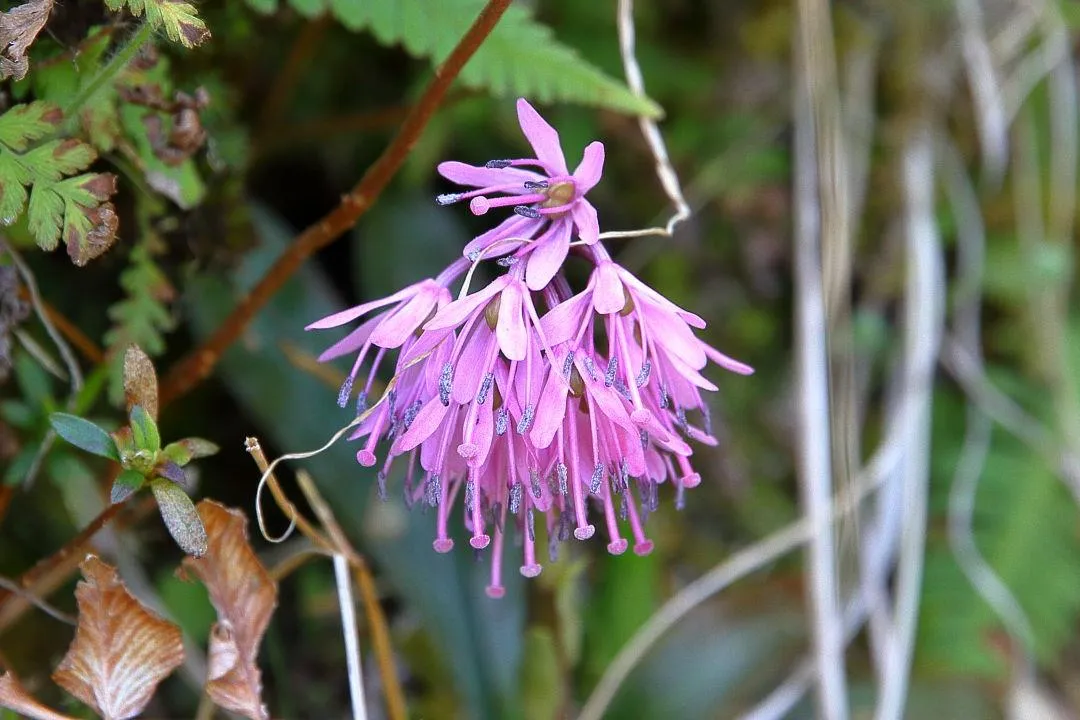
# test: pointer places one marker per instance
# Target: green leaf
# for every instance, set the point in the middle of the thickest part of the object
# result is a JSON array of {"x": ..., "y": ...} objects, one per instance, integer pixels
[
  {"x": 519, "y": 58},
  {"x": 184, "y": 451},
  {"x": 180, "y": 20},
  {"x": 126, "y": 483},
  {"x": 75, "y": 209},
  {"x": 181, "y": 518},
  {"x": 171, "y": 471},
  {"x": 144, "y": 430},
  {"x": 84, "y": 435},
  {"x": 541, "y": 686}
]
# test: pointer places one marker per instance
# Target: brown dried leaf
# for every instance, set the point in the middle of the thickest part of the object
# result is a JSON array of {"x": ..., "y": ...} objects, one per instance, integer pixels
[
  {"x": 244, "y": 595},
  {"x": 19, "y": 26},
  {"x": 121, "y": 650},
  {"x": 140, "y": 381},
  {"x": 14, "y": 696}
]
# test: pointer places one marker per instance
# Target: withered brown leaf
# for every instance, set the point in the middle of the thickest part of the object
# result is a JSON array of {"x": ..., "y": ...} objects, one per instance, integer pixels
[
  {"x": 121, "y": 650},
  {"x": 245, "y": 596},
  {"x": 14, "y": 696},
  {"x": 19, "y": 26},
  {"x": 140, "y": 381}
]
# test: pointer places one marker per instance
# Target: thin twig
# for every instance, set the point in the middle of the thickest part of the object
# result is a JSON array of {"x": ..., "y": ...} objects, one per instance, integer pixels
[
  {"x": 811, "y": 341},
  {"x": 923, "y": 323},
  {"x": 664, "y": 169},
  {"x": 352, "y": 642},
  {"x": 296, "y": 519},
  {"x": 200, "y": 362},
  {"x": 15, "y": 589},
  {"x": 70, "y": 362}
]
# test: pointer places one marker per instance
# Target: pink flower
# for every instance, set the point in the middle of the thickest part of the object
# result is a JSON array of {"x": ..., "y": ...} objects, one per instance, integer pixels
[
  {"x": 549, "y": 205},
  {"x": 523, "y": 398}
]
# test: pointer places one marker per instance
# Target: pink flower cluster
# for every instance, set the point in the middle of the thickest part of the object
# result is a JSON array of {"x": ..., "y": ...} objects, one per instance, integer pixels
[{"x": 524, "y": 398}]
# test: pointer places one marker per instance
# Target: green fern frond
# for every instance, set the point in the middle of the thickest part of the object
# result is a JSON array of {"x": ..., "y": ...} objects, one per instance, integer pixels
[
  {"x": 520, "y": 57},
  {"x": 180, "y": 20}
]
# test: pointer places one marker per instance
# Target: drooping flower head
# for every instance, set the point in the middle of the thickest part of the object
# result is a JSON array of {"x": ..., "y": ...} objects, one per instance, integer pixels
[{"x": 524, "y": 398}]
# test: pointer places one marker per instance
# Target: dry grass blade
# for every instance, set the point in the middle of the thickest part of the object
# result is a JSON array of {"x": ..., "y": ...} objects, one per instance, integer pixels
[
  {"x": 245, "y": 596},
  {"x": 121, "y": 650},
  {"x": 15, "y": 697}
]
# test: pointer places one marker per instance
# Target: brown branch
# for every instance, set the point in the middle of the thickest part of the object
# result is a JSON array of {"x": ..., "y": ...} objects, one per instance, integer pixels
[{"x": 198, "y": 364}]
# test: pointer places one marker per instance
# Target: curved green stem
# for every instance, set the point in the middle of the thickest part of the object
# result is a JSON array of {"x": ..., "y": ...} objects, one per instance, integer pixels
[{"x": 110, "y": 69}]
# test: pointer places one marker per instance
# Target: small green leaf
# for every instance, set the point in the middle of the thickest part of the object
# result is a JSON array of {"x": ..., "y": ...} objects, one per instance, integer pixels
[
  {"x": 84, "y": 435},
  {"x": 171, "y": 471},
  {"x": 184, "y": 451},
  {"x": 180, "y": 20},
  {"x": 126, "y": 483},
  {"x": 125, "y": 442},
  {"x": 180, "y": 516},
  {"x": 144, "y": 430}
]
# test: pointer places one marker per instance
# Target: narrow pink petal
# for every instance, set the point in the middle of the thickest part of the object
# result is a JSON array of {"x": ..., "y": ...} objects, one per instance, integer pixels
[
  {"x": 456, "y": 312},
  {"x": 548, "y": 256},
  {"x": 690, "y": 374},
  {"x": 480, "y": 176},
  {"x": 550, "y": 410},
  {"x": 608, "y": 294},
  {"x": 588, "y": 226},
  {"x": 483, "y": 433},
  {"x": 658, "y": 299},
  {"x": 669, "y": 332},
  {"x": 428, "y": 341},
  {"x": 471, "y": 363},
  {"x": 425, "y": 423},
  {"x": 726, "y": 362},
  {"x": 511, "y": 331},
  {"x": 352, "y": 313},
  {"x": 543, "y": 138},
  {"x": 399, "y": 324},
  {"x": 562, "y": 322},
  {"x": 514, "y": 226},
  {"x": 590, "y": 169},
  {"x": 351, "y": 342}
]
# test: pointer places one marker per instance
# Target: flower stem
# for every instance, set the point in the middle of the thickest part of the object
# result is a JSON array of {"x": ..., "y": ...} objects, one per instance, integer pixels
[{"x": 110, "y": 70}]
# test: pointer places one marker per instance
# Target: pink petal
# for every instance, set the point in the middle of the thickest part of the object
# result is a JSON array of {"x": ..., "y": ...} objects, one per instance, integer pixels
[
  {"x": 673, "y": 335},
  {"x": 690, "y": 374},
  {"x": 482, "y": 177},
  {"x": 514, "y": 226},
  {"x": 591, "y": 167},
  {"x": 471, "y": 363},
  {"x": 352, "y": 313},
  {"x": 588, "y": 226},
  {"x": 399, "y": 324},
  {"x": 351, "y": 342},
  {"x": 726, "y": 362},
  {"x": 550, "y": 410},
  {"x": 608, "y": 294},
  {"x": 428, "y": 341},
  {"x": 543, "y": 138},
  {"x": 548, "y": 256},
  {"x": 423, "y": 425},
  {"x": 658, "y": 299},
  {"x": 455, "y": 313},
  {"x": 511, "y": 331},
  {"x": 482, "y": 435},
  {"x": 562, "y": 322}
]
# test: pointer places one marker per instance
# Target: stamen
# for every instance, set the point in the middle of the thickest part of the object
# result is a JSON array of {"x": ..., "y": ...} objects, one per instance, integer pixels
[
  {"x": 502, "y": 420},
  {"x": 612, "y": 368},
  {"x": 515, "y": 497},
  {"x": 567, "y": 364},
  {"x": 498, "y": 164},
  {"x": 345, "y": 392},
  {"x": 433, "y": 490},
  {"x": 485, "y": 388},
  {"x": 643, "y": 375},
  {"x": 534, "y": 481},
  {"x": 526, "y": 419},
  {"x": 508, "y": 261},
  {"x": 445, "y": 380},
  {"x": 530, "y": 524},
  {"x": 536, "y": 184},
  {"x": 447, "y": 199},
  {"x": 361, "y": 403},
  {"x": 665, "y": 401},
  {"x": 526, "y": 211},
  {"x": 597, "y": 478},
  {"x": 382, "y": 485},
  {"x": 563, "y": 488}
]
